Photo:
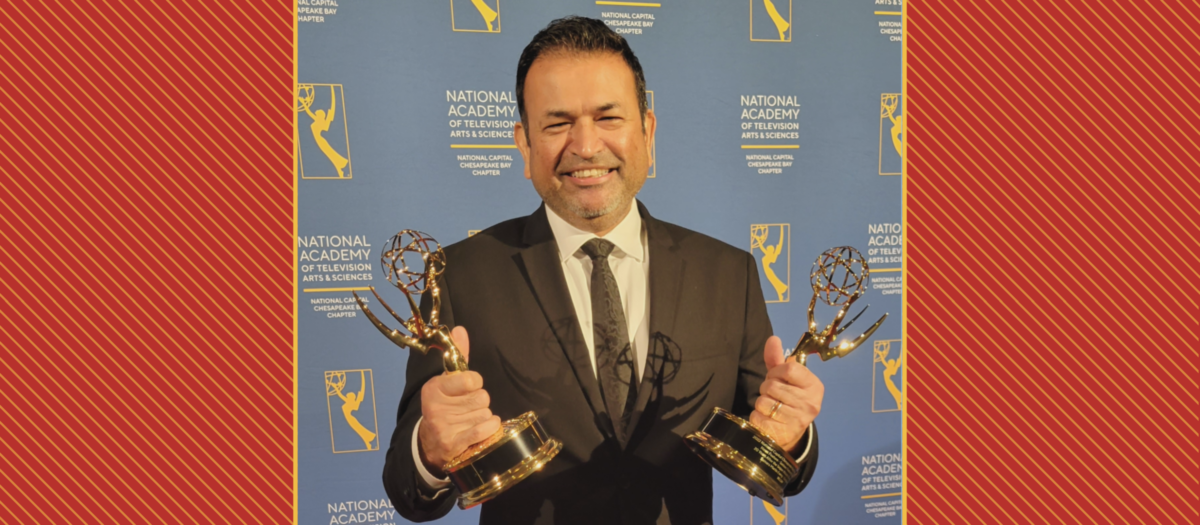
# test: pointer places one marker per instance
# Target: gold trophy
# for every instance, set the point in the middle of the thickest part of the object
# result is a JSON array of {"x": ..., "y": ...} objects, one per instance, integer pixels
[
  {"x": 521, "y": 446},
  {"x": 742, "y": 451}
]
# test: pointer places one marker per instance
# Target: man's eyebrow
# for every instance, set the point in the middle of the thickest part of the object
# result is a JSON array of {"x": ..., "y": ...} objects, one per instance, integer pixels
[{"x": 562, "y": 113}]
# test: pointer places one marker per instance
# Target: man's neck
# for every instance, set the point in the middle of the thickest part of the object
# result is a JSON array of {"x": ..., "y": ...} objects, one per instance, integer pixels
[{"x": 601, "y": 225}]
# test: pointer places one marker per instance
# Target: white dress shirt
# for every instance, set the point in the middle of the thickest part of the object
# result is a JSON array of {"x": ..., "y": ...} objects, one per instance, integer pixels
[{"x": 630, "y": 264}]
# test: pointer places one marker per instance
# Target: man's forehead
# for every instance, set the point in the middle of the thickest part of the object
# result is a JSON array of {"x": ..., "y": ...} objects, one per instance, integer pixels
[{"x": 557, "y": 76}]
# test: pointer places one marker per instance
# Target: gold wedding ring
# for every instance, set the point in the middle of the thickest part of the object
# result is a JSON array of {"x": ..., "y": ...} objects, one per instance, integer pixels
[{"x": 775, "y": 409}]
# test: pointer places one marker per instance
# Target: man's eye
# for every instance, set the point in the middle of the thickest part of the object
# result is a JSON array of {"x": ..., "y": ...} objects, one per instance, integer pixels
[{"x": 558, "y": 125}]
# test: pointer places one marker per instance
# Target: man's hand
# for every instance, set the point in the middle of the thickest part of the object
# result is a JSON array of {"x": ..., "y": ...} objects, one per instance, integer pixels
[
  {"x": 797, "y": 387},
  {"x": 455, "y": 411}
]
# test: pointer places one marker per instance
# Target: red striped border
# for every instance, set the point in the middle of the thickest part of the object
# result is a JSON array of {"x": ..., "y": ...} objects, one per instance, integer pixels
[
  {"x": 146, "y": 283},
  {"x": 1052, "y": 225}
]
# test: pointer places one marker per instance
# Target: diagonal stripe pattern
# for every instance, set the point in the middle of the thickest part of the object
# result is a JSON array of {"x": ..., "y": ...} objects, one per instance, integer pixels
[
  {"x": 1052, "y": 218},
  {"x": 146, "y": 286}
]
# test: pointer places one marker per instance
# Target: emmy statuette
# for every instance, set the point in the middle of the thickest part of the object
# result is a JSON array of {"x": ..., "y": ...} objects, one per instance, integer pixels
[
  {"x": 521, "y": 446},
  {"x": 742, "y": 451}
]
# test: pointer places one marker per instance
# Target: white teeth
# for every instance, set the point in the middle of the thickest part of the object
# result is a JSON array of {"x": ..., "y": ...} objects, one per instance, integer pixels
[{"x": 589, "y": 174}]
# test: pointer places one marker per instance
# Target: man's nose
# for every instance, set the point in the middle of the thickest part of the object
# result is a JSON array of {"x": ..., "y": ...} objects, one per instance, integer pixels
[{"x": 585, "y": 139}]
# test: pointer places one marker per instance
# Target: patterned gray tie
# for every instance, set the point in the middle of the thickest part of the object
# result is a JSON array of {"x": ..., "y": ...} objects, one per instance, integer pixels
[{"x": 614, "y": 354}]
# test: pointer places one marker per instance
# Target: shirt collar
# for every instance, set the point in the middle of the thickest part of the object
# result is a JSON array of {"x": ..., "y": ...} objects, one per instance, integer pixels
[{"x": 627, "y": 236}]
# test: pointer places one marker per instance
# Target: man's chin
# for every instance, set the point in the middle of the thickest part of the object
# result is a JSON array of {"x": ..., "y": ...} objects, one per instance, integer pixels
[
  {"x": 588, "y": 212},
  {"x": 594, "y": 212}
]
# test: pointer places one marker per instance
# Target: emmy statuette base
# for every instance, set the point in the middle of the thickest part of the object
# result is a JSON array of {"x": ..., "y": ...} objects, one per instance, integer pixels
[
  {"x": 744, "y": 454},
  {"x": 487, "y": 469}
]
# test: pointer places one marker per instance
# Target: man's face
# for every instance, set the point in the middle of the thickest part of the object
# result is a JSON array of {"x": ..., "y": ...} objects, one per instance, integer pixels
[{"x": 587, "y": 152}]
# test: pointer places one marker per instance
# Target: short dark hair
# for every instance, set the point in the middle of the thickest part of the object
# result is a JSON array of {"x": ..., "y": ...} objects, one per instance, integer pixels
[{"x": 577, "y": 34}]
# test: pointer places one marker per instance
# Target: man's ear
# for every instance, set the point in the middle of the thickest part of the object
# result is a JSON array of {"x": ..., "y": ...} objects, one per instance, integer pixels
[
  {"x": 522, "y": 141},
  {"x": 649, "y": 124}
]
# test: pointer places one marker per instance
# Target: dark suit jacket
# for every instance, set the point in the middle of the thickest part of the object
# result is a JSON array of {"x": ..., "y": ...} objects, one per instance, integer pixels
[{"x": 708, "y": 326}]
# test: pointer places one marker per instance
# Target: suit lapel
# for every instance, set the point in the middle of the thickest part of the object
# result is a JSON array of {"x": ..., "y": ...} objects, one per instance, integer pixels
[
  {"x": 543, "y": 269},
  {"x": 666, "y": 277}
]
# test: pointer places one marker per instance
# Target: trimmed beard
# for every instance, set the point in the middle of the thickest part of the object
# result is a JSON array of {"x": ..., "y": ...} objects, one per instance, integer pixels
[{"x": 592, "y": 214}]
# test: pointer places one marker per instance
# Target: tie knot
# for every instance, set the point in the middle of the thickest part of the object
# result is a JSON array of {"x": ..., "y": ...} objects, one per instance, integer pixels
[{"x": 597, "y": 248}]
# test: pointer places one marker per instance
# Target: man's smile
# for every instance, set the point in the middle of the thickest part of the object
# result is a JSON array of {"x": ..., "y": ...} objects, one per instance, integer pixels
[{"x": 591, "y": 176}]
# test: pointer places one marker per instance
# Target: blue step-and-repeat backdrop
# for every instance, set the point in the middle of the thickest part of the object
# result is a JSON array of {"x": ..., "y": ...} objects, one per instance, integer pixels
[{"x": 779, "y": 129}]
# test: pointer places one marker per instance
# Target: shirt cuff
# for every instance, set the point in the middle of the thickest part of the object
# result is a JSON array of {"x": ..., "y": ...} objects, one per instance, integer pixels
[
  {"x": 440, "y": 485},
  {"x": 807, "y": 438}
]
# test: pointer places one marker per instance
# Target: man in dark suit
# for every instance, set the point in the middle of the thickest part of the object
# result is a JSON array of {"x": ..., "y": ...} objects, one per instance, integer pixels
[{"x": 622, "y": 332}]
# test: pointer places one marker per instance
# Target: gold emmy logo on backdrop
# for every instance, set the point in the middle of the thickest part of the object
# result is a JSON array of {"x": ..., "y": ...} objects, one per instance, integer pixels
[
  {"x": 743, "y": 452},
  {"x": 886, "y": 370},
  {"x": 774, "y": 24},
  {"x": 773, "y": 253},
  {"x": 891, "y": 126},
  {"x": 475, "y": 16},
  {"x": 777, "y": 517},
  {"x": 348, "y": 408},
  {"x": 322, "y": 120}
]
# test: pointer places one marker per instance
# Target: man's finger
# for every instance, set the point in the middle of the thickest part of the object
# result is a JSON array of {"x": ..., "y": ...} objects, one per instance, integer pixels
[
  {"x": 765, "y": 404},
  {"x": 770, "y": 426},
  {"x": 480, "y": 432},
  {"x": 460, "y": 384},
  {"x": 784, "y": 429},
  {"x": 793, "y": 373},
  {"x": 478, "y": 416},
  {"x": 803, "y": 411},
  {"x": 459, "y": 336},
  {"x": 773, "y": 352},
  {"x": 782, "y": 391},
  {"x": 458, "y": 423}
]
